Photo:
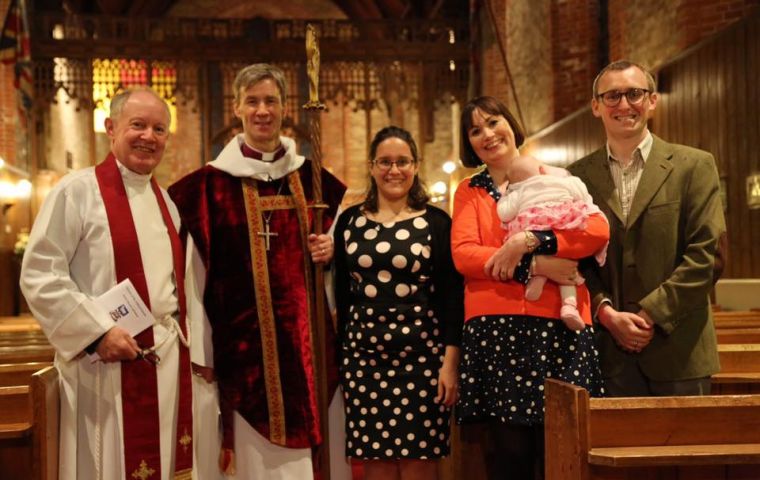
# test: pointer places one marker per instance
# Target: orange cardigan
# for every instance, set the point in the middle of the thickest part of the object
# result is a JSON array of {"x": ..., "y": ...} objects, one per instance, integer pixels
[{"x": 476, "y": 234}]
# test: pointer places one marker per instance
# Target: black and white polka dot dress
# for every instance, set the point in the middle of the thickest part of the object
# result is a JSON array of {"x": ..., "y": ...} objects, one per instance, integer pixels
[{"x": 392, "y": 348}]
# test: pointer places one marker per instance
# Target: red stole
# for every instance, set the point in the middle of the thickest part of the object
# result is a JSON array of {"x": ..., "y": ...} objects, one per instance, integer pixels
[{"x": 142, "y": 443}]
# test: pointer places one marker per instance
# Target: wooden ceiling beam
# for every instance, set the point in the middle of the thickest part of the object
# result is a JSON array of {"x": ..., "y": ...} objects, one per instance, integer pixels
[
  {"x": 360, "y": 9},
  {"x": 72, "y": 7},
  {"x": 149, "y": 8},
  {"x": 369, "y": 50},
  {"x": 113, "y": 7},
  {"x": 393, "y": 8},
  {"x": 434, "y": 9}
]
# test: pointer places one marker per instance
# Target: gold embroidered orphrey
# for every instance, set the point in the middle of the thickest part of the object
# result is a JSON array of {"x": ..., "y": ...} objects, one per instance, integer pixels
[
  {"x": 255, "y": 205},
  {"x": 265, "y": 310},
  {"x": 185, "y": 440},
  {"x": 143, "y": 472}
]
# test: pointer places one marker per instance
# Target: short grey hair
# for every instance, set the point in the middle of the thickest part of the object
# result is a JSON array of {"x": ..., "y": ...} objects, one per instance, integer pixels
[
  {"x": 623, "y": 65},
  {"x": 254, "y": 73},
  {"x": 120, "y": 99}
]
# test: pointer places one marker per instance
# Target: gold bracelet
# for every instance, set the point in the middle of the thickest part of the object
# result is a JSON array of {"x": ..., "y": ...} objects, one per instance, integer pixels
[{"x": 531, "y": 241}]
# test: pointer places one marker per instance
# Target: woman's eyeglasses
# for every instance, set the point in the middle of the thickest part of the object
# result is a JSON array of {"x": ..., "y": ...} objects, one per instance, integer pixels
[
  {"x": 633, "y": 95},
  {"x": 386, "y": 164}
]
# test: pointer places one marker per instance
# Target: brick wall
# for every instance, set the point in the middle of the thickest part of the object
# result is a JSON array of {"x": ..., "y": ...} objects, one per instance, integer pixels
[
  {"x": 650, "y": 32},
  {"x": 637, "y": 34},
  {"x": 494, "y": 76},
  {"x": 575, "y": 53},
  {"x": 698, "y": 19},
  {"x": 529, "y": 52}
]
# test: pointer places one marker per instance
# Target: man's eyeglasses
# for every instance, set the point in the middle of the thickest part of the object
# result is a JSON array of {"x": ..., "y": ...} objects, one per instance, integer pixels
[
  {"x": 386, "y": 164},
  {"x": 634, "y": 96}
]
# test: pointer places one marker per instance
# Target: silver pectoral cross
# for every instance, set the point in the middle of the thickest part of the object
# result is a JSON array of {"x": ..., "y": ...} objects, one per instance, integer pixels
[{"x": 267, "y": 234}]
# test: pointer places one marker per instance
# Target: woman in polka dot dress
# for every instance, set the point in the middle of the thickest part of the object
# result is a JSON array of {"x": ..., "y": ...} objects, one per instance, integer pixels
[
  {"x": 400, "y": 312},
  {"x": 511, "y": 344}
]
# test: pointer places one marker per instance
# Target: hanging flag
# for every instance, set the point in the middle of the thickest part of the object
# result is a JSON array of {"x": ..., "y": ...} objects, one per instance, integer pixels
[
  {"x": 14, "y": 50},
  {"x": 9, "y": 38},
  {"x": 24, "y": 79}
]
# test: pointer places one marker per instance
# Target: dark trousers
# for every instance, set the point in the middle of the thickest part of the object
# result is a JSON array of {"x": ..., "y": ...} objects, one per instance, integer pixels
[
  {"x": 515, "y": 452},
  {"x": 631, "y": 382}
]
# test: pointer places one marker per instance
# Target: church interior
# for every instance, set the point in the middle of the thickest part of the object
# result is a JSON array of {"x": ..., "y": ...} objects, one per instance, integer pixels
[{"x": 411, "y": 63}]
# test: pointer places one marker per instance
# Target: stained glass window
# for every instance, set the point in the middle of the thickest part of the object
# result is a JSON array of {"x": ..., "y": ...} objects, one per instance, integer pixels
[{"x": 110, "y": 76}]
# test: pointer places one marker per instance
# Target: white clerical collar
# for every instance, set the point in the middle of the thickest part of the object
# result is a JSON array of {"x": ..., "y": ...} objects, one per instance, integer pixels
[
  {"x": 250, "y": 152},
  {"x": 132, "y": 177},
  {"x": 232, "y": 161}
]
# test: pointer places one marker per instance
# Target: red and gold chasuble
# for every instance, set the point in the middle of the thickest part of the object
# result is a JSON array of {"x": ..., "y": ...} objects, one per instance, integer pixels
[
  {"x": 142, "y": 450},
  {"x": 258, "y": 300}
]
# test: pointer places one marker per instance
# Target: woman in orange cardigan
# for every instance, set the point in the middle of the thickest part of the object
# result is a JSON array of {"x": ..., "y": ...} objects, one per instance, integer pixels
[{"x": 511, "y": 344}]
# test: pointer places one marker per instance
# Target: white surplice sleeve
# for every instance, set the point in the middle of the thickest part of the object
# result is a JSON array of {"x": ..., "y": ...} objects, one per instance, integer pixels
[
  {"x": 55, "y": 279},
  {"x": 201, "y": 347}
]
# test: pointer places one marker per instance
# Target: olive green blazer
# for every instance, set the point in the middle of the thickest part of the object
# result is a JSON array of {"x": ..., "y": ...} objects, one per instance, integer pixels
[{"x": 661, "y": 259}]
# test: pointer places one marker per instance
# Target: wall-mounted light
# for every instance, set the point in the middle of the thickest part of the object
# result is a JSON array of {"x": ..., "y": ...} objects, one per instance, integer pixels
[
  {"x": 753, "y": 191},
  {"x": 7, "y": 195},
  {"x": 449, "y": 167},
  {"x": 14, "y": 170},
  {"x": 439, "y": 188},
  {"x": 10, "y": 192},
  {"x": 438, "y": 191}
]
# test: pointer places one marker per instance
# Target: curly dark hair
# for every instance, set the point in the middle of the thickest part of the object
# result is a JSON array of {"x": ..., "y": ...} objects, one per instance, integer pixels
[
  {"x": 418, "y": 196},
  {"x": 494, "y": 107}
]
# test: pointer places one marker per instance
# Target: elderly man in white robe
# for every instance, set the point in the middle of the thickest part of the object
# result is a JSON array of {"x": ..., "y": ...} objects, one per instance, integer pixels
[{"x": 129, "y": 414}]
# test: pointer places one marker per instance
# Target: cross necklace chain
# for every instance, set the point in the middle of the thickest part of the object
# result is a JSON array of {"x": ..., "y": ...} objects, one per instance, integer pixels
[{"x": 267, "y": 233}]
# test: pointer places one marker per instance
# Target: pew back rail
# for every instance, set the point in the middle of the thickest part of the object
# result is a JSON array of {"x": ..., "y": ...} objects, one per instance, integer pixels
[{"x": 585, "y": 437}]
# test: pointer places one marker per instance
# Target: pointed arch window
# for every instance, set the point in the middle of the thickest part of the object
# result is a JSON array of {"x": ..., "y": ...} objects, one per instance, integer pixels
[{"x": 109, "y": 76}]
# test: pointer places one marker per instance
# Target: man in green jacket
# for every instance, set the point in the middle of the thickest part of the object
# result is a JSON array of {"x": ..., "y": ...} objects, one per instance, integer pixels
[{"x": 662, "y": 200}]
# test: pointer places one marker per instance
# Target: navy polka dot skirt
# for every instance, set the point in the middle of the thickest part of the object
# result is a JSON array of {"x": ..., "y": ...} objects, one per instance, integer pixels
[{"x": 506, "y": 358}]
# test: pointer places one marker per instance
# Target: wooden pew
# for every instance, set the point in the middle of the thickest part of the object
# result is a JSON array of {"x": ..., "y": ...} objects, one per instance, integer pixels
[
  {"x": 29, "y": 424},
  {"x": 15, "y": 432},
  {"x": 16, "y": 331},
  {"x": 22, "y": 323},
  {"x": 27, "y": 353},
  {"x": 19, "y": 373},
  {"x": 738, "y": 335},
  {"x": 35, "y": 337},
  {"x": 46, "y": 413},
  {"x": 737, "y": 327},
  {"x": 739, "y": 370},
  {"x": 662, "y": 438},
  {"x": 736, "y": 319}
]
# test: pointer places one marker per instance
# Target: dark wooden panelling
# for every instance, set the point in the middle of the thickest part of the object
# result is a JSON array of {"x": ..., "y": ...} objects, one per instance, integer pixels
[
  {"x": 710, "y": 100},
  {"x": 568, "y": 140}
]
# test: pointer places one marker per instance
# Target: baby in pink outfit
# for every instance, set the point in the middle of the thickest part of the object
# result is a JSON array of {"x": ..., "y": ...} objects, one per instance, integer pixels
[{"x": 541, "y": 197}]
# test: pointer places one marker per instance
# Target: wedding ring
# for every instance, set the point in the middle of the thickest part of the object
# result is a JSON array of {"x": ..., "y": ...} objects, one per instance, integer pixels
[
  {"x": 321, "y": 251},
  {"x": 635, "y": 343}
]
